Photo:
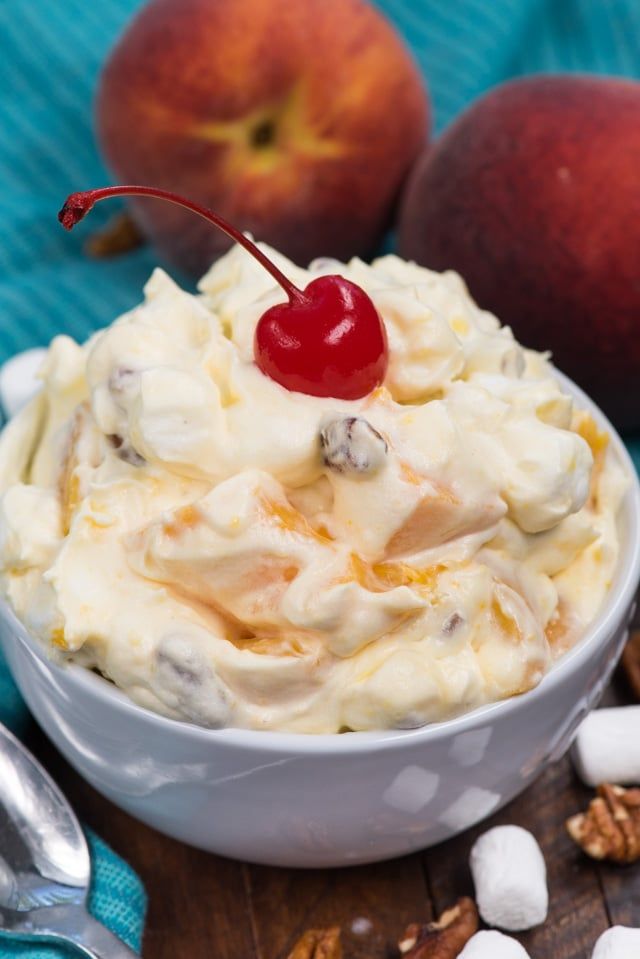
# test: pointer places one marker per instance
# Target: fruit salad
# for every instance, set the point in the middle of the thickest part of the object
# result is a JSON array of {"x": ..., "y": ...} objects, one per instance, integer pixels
[{"x": 231, "y": 552}]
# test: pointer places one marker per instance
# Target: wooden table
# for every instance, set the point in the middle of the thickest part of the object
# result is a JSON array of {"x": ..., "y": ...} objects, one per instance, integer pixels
[{"x": 205, "y": 907}]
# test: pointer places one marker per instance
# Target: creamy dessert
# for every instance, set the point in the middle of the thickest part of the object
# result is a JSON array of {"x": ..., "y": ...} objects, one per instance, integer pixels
[{"x": 232, "y": 553}]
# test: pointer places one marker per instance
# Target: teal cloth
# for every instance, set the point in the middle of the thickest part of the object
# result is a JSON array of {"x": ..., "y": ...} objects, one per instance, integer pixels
[
  {"x": 13, "y": 712},
  {"x": 50, "y": 54}
]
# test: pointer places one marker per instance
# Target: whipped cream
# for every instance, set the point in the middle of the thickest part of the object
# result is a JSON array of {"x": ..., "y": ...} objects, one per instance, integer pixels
[{"x": 234, "y": 554}]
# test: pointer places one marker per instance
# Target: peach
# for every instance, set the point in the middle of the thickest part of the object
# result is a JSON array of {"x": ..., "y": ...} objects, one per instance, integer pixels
[
  {"x": 296, "y": 121},
  {"x": 533, "y": 195}
]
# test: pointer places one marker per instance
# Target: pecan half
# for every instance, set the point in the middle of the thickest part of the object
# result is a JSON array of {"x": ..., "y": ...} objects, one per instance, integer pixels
[
  {"x": 610, "y": 828},
  {"x": 443, "y": 939},
  {"x": 631, "y": 662},
  {"x": 318, "y": 944}
]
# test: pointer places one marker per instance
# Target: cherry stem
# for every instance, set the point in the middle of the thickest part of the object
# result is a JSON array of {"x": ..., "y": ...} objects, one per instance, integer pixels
[{"x": 77, "y": 205}]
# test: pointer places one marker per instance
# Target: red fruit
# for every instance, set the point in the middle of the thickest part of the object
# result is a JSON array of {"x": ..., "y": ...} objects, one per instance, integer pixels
[
  {"x": 298, "y": 121},
  {"x": 328, "y": 340},
  {"x": 533, "y": 195}
]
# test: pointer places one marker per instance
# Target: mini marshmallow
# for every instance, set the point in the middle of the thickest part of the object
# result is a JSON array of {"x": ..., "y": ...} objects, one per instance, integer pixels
[
  {"x": 18, "y": 381},
  {"x": 619, "y": 942},
  {"x": 510, "y": 877},
  {"x": 607, "y": 747},
  {"x": 493, "y": 945}
]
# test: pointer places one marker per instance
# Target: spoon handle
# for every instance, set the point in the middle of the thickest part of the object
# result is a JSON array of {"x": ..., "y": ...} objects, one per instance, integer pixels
[
  {"x": 97, "y": 942},
  {"x": 70, "y": 924},
  {"x": 90, "y": 937}
]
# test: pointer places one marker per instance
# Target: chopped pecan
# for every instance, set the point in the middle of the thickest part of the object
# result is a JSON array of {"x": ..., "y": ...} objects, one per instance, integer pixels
[
  {"x": 610, "y": 828},
  {"x": 318, "y": 944},
  {"x": 443, "y": 939},
  {"x": 631, "y": 662}
]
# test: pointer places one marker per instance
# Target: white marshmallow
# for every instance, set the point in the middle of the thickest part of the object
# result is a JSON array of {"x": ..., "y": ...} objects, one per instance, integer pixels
[
  {"x": 619, "y": 942},
  {"x": 18, "y": 381},
  {"x": 510, "y": 877},
  {"x": 607, "y": 747},
  {"x": 493, "y": 945}
]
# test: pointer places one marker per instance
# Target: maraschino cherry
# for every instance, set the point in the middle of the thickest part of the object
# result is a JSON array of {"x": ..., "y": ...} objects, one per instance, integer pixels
[{"x": 328, "y": 340}]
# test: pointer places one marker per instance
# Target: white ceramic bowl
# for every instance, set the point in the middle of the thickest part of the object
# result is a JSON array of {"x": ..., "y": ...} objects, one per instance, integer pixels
[{"x": 295, "y": 800}]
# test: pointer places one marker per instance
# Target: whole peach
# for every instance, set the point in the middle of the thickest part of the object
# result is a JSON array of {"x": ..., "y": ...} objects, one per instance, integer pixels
[
  {"x": 297, "y": 121},
  {"x": 533, "y": 195}
]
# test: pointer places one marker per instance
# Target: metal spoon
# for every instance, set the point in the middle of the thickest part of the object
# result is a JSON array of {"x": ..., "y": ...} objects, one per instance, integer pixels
[{"x": 45, "y": 867}]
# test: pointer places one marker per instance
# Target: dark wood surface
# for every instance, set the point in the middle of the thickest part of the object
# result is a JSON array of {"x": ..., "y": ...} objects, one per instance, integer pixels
[{"x": 202, "y": 906}]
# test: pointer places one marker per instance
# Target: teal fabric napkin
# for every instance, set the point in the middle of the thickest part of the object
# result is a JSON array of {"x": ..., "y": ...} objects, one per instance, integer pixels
[
  {"x": 13, "y": 712},
  {"x": 50, "y": 54}
]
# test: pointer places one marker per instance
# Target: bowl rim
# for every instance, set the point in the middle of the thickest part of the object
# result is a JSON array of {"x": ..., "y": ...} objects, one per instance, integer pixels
[{"x": 617, "y": 604}]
